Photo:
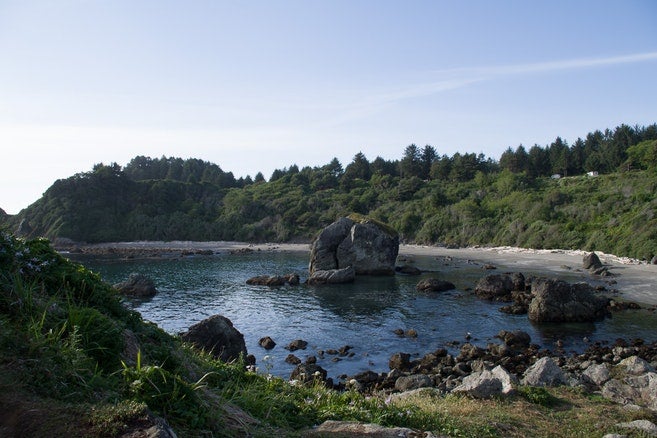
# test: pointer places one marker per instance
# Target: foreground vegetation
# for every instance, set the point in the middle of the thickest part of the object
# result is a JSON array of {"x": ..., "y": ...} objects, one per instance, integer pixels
[{"x": 75, "y": 362}]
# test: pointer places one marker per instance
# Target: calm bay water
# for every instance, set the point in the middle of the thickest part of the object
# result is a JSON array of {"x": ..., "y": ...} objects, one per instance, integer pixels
[{"x": 362, "y": 315}]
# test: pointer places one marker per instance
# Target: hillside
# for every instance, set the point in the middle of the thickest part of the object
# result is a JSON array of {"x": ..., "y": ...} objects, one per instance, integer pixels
[{"x": 465, "y": 199}]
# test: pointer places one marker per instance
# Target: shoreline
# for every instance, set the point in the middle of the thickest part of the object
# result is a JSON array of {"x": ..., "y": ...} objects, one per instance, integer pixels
[{"x": 636, "y": 280}]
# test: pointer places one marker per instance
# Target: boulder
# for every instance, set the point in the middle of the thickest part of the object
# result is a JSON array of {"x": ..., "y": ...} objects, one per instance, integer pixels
[
  {"x": 217, "y": 335},
  {"x": 434, "y": 285},
  {"x": 347, "y": 429},
  {"x": 496, "y": 287},
  {"x": 292, "y": 359},
  {"x": 368, "y": 246},
  {"x": 332, "y": 276},
  {"x": 308, "y": 373},
  {"x": 414, "y": 381},
  {"x": 591, "y": 261},
  {"x": 545, "y": 372},
  {"x": 558, "y": 301},
  {"x": 400, "y": 361},
  {"x": 516, "y": 339},
  {"x": 137, "y": 285},
  {"x": 487, "y": 384},
  {"x": 298, "y": 344},
  {"x": 635, "y": 366},
  {"x": 597, "y": 374},
  {"x": 646, "y": 427},
  {"x": 653, "y": 260},
  {"x": 631, "y": 389},
  {"x": 274, "y": 280},
  {"x": 267, "y": 343}
]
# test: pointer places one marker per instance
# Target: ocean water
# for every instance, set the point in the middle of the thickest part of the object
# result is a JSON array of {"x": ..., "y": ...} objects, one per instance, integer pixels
[{"x": 362, "y": 315}]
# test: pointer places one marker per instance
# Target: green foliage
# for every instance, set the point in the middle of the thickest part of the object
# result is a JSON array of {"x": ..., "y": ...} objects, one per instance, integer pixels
[
  {"x": 466, "y": 199},
  {"x": 101, "y": 337},
  {"x": 166, "y": 393},
  {"x": 538, "y": 395}
]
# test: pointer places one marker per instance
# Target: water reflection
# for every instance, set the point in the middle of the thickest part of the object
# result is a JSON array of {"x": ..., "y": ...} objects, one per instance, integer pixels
[{"x": 363, "y": 315}]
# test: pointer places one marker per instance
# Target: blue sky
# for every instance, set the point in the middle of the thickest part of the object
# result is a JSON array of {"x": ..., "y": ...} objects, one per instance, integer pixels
[{"x": 259, "y": 85}]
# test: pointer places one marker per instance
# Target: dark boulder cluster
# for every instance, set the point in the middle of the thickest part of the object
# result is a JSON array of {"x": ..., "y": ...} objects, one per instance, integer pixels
[
  {"x": 558, "y": 301},
  {"x": 544, "y": 299},
  {"x": 274, "y": 280},
  {"x": 621, "y": 373}
]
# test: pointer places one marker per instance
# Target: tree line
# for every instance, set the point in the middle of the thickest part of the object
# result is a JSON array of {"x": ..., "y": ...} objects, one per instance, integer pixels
[{"x": 464, "y": 199}]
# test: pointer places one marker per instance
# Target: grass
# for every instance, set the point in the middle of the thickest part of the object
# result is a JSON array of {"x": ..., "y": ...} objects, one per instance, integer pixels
[
  {"x": 570, "y": 413},
  {"x": 64, "y": 371}
]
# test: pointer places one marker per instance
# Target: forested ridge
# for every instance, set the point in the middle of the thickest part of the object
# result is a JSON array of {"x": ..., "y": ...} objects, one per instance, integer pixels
[{"x": 463, "y": 199}]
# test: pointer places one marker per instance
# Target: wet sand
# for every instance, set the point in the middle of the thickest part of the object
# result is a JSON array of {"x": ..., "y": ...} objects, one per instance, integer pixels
[{"x": 636, "y": 281}]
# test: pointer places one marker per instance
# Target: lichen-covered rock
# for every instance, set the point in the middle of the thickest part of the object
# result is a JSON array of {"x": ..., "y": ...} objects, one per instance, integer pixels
[
  {"x": 545, "y": 372},
  {"x": 414, "y": 381},
  {"x": 368, "y": 246},
  {"x": 487, "y": 384},
  {"x": 558, "y": 301},
  {"x": 217, "y": 335},
  {"x": 597, "y": 374},
  {"x": 353, "y": 429}
]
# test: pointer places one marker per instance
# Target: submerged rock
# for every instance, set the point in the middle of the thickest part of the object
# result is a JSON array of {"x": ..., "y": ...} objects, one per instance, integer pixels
[{"x": 434, "y": 285}]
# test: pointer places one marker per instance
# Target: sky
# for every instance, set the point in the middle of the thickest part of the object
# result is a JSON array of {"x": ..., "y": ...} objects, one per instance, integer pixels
[{"x": 256, "y": 86}]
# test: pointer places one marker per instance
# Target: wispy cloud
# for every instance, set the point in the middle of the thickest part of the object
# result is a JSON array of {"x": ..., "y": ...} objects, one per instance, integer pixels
[
  {"x": 561, "y": 65},
  {"x": 453, "y": 79}
]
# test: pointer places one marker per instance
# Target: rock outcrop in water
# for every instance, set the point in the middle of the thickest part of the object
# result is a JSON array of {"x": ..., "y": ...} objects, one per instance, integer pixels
[
  {"x": 368, "y": 246},
  {"x": 137, "y": 285},
  {"x": 217, "y": 335},
  {"x": 558, "y": 301}
]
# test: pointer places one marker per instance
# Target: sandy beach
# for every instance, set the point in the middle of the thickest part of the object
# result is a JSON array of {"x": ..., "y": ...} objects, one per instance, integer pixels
[{"x": 635, "y": 280}]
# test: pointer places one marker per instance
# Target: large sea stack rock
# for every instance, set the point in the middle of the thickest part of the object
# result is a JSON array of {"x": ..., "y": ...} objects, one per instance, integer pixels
[
  {"x": 368, "y": 246},
  {"x": 558, "y": 301},
  {"x": 217, "y": 335}
]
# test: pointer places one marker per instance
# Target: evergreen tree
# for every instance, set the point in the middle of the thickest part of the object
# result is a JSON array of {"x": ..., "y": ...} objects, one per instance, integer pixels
[
  {"x": 411, "y": 164},
  {"x": 429, "y": 155}
]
